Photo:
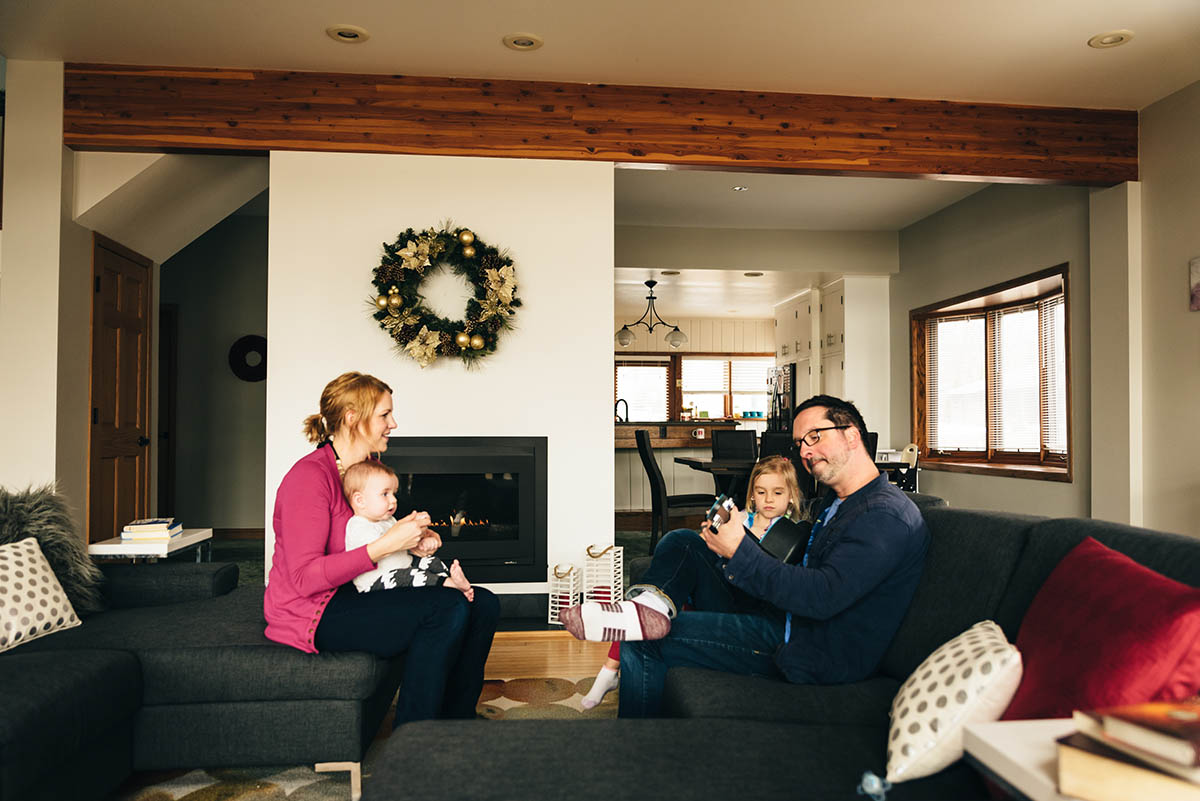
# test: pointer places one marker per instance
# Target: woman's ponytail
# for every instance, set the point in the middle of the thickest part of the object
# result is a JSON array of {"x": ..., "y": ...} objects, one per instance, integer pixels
[{"x": 314, "y": 429}]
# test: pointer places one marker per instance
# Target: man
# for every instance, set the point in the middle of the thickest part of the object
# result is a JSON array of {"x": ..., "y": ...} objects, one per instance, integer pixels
[{"x": 827, "y": 620}]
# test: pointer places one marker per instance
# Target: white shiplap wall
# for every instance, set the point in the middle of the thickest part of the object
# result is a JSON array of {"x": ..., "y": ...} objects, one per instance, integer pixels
[
  {"x": 633, "y": 487},
  {"x": 704, "y": 335}
]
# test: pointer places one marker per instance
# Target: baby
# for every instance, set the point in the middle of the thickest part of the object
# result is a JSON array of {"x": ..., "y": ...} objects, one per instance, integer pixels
[{"x": 370, "y": 488}]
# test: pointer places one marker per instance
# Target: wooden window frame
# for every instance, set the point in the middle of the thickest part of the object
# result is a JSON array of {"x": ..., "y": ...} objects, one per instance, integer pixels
[{"x": 1044, "y": 465}]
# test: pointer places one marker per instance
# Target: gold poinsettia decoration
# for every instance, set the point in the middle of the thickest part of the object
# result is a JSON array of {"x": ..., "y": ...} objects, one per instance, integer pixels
[
  {"x": 503, "y": 283},
  {"x": 423, "y": 348},
  {"x": 415, "y": 255},
  {"x": 491, "y": 306},
  {"x": 399, "y": 318}
]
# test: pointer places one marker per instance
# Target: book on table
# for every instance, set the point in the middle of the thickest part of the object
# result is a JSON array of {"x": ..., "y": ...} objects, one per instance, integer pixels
[
  {"x": 1092, "y": 725},
  {"x": 159, "y": 529},
  {"x": 1169, "y": 729},
  {"x": 1091, "y": 770}
]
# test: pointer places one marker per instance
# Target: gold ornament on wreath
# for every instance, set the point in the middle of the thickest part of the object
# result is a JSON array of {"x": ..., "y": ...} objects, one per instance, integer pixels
[{"x": 399, "y": 307}]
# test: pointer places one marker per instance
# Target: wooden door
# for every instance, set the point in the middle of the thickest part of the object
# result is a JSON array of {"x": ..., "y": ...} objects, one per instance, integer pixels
[{"x": 119, "y": 475}]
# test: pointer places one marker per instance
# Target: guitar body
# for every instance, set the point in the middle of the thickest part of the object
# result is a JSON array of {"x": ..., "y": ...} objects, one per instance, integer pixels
[{"x": 786, "y": 541}]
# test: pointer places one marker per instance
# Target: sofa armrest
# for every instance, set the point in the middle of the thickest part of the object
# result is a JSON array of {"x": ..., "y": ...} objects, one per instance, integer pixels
[{"x": 127, "y": 586}]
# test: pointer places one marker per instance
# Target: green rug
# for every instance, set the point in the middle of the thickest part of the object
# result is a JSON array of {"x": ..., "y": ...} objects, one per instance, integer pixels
[{"x": 512, "y": 699}]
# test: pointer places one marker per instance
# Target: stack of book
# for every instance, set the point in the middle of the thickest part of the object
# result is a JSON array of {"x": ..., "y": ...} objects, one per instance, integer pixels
[
  {"x": 1149, "y": 751},
  {"x": 152, "y": 529}
]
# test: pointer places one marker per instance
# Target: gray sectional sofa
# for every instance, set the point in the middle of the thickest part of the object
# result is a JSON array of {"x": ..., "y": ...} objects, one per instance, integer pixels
[
  {"x": 733, "y": 736},
  {"x": 177, "y": 674}
]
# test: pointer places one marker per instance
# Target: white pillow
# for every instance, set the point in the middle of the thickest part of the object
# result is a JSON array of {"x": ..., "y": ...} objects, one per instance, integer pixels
[
  {"x": 971, "y": 678},
  {"x": 32, "y": 602}
]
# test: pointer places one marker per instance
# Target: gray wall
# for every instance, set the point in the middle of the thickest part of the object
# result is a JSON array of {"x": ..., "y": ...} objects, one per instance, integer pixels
[
  {"x": 220, "y": 285},
  {"x": 1000, "y": 233},
  {"x": 1170, "y": 172}
]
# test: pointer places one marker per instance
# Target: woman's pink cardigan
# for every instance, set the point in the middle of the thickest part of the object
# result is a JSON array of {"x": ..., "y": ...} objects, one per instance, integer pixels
[{"x": 311, "y": 560}]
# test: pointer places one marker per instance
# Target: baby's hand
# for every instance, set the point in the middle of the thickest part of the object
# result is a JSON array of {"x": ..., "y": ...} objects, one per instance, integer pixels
[{"x": 427, "y": 544}]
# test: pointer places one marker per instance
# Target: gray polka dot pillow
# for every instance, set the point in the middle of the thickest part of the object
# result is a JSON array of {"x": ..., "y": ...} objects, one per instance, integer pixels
[
  {"x": 969, "y": 679},
  {"x": 32, "y": 602}
]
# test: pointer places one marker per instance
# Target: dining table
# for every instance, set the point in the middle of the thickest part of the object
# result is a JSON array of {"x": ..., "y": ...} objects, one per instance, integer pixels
[{"x": 731, "y": 474}]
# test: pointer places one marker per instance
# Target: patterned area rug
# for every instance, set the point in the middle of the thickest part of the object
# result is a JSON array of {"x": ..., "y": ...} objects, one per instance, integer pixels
[{"x": 511, "y": 699}]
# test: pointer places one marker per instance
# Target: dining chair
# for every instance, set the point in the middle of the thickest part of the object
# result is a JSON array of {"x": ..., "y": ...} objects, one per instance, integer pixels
[
  {"x": 738, "y": 444},
  {"x": 775, "y": 443},
  {"x": 662, "y": 505}
]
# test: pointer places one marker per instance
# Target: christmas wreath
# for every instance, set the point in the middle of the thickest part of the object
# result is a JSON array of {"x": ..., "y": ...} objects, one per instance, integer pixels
[{"x": 400, "y": 308}]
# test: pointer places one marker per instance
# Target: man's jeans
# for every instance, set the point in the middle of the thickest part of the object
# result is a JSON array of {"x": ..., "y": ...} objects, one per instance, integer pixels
[{"x": 730, "y": 630}]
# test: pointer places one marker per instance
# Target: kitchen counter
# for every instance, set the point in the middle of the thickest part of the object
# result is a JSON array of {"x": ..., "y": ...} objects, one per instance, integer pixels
[{"x": 672, "y": 434}]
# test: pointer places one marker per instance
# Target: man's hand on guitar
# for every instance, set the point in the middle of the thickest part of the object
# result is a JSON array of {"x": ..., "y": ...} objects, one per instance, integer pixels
[{"x": 724, "y": 541}]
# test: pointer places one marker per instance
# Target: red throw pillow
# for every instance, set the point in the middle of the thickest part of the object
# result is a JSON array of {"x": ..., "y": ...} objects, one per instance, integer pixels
[{"x": 1103, "y": 631}]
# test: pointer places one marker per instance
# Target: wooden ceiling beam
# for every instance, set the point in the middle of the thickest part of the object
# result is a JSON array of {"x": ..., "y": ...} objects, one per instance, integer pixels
[{"x": 174, "y": 109}]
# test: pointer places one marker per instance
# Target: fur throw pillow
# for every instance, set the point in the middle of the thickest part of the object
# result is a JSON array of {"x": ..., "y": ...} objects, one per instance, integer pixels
[{"x": 43, "y": 514}]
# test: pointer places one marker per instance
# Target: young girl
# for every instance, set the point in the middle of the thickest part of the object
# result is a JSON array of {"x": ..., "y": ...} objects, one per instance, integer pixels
[{"x": 774, "y": 493}]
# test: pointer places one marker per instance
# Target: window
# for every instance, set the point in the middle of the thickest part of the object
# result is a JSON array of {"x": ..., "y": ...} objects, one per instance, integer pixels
[
  {"x": 725, "y": 387},
  {"x": 991, "y": 379},
  {"x": 720, "y": 386},
  {"x": 644, "y": 386}
]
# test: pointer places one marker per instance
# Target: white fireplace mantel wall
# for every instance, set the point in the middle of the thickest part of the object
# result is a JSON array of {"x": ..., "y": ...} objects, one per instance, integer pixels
[{"x": 552, "y": 376}]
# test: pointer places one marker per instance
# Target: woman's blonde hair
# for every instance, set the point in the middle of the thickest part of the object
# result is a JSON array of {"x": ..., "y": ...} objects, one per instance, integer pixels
[
  {"x": 782, "y": 467},
  {"x": 349, "y": 392}
]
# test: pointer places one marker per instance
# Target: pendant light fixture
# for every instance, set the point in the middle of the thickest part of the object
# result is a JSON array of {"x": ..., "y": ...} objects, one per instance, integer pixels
[{"x": 651, "y": 320}]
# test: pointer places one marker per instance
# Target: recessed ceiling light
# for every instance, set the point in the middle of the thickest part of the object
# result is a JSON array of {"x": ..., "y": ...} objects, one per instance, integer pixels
[
  {"x": 1110, "y": 39},
  {"x": 670, "y": 272},
  {"x": 522, "y": 41},
  {"x": 740, "y": 188},
  {"x": 347, "y": 34},
  {"x": 752, "y": 275}
]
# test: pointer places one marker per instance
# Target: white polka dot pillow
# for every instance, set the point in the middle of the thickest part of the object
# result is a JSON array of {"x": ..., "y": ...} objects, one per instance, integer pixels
[
  {"x": 971, "y": 678},
  {"x": 32, "y": 602}
]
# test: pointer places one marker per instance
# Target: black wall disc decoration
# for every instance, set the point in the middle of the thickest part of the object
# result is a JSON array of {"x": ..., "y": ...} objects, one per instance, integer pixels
[{"x": 240, "y": 361}]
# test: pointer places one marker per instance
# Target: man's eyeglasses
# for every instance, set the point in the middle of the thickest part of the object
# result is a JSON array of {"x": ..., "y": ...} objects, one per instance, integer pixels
[{"x": 814, "y": 436}]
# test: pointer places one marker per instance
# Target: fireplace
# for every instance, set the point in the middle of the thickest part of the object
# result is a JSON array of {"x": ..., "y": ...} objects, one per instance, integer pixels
[{"x": 486, "y": 497}]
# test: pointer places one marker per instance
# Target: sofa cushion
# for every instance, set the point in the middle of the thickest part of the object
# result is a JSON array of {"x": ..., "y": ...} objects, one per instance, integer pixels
[
  {"x": 54, "y": 704},
  {"x": 1173, "y": 555},
  {"x": 700, "y": 693},
  {"x": 214, "y": 650},
  {"x": 597, "y": 760},
  {"x": 972, "y": 554},
  {"x": 32, "y": 602},
  {"x": 968, "y": 680},
  {"x": 42, "y": 513},
  {"x": 1105, "y": 631}
]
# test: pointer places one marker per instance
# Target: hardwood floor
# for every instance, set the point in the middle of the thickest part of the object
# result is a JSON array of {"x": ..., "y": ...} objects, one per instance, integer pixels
[{"x": 533, "y": 654}]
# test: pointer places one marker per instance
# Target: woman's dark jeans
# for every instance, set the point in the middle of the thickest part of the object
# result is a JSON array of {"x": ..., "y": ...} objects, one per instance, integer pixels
[{"x": 445, "y": 640}]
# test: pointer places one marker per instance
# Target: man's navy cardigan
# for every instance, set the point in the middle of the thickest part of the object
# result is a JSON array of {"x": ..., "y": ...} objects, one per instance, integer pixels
[{"x": 863, "y": 568}]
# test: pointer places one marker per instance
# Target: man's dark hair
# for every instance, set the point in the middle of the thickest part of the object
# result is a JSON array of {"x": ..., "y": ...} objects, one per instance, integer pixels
[{"x": 840, "y": 412}]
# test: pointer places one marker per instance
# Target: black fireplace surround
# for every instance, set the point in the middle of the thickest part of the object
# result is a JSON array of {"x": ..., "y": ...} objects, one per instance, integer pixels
[{"x": 486, "y": 497}]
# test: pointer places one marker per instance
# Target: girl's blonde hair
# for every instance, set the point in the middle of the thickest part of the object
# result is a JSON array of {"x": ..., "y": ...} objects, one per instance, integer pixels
[
  {"x": 782, "y": 467},
  {"x": 349, "y": 392}
]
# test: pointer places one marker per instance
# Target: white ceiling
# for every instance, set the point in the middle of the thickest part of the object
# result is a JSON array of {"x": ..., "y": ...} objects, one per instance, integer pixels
[
  {"x": 1016, "y": 51},
  {"x": 706, "y": 199},
  {"x": 705, "y": 293}
]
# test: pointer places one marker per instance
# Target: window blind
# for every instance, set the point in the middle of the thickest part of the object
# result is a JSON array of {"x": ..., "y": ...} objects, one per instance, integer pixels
[
  {"x": 956, "y": 386},
  {"x": 1014, "y": 415},
  {"x": 1054, "y": 374},
  {"x": 644, "y": 386}
]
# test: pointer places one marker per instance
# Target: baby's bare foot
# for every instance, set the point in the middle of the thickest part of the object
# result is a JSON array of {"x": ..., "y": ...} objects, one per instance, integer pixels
[{"x": 458, "y": 580}]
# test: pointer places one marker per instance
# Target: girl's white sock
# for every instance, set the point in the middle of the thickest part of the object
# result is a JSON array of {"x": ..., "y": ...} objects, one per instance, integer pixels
[{"x": 606, "y": 680}]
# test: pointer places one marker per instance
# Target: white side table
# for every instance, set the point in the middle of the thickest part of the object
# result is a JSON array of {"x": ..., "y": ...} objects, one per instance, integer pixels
[
  {"x": 1020, "y": 755},
  {"x": 117, "y": 548}
]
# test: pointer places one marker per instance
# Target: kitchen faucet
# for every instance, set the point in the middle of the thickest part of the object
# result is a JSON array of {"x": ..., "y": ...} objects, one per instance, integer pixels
[{"x": 617, "y": 414}]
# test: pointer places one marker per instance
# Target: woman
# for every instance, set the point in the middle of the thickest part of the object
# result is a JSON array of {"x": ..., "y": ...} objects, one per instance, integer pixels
[{"x": 310, "y": 603}]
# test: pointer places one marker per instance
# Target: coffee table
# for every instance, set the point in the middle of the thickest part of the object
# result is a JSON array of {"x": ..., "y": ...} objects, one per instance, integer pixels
[
  {"x": 117, "y": 548},
  {"x": 1019, "y": 755}
]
